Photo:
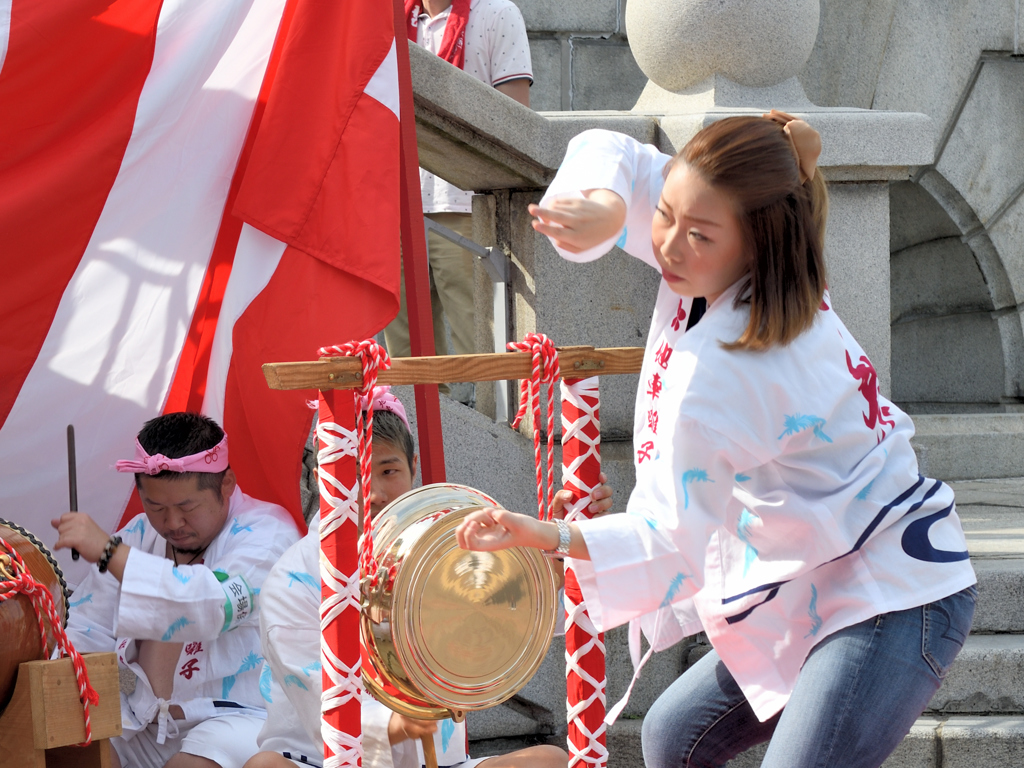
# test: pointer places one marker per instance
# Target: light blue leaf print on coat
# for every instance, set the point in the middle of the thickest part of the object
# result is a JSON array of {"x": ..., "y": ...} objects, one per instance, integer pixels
[
  {"x": 237, "y": 528},
  {"x": 303, "y": 578},
  {"x": 180, "y": 576},
  {"x": 621, "y": 242},
  {"x": 741, "y": 478},
  {"x": 250, "y": 662},
  {"x": 812, "y": 611},
  {"x": 311, "y": 668},
  {"x": 180, "y": 623},
  {"x": 673, "y": 589},
  {"x": 296, "y": 681},
  {"x": 265, "y": 680},
  {"x": 798, "y": 423},
  {"x": 139, "y": 527},
  {"x": 743, "y": 531},
  {"x": 863, "y": 495},
  {"x": 76, "y": 603},
  {"x": 447, "y": 731},
  {"x": 693, "y": 476}
]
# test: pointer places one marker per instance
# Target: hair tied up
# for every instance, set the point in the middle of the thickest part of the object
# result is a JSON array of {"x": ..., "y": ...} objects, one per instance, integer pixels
[{"x": 805, "y": 141}]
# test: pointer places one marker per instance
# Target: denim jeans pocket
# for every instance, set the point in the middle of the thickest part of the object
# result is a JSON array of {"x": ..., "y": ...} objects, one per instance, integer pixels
[{"x": 945, "y": 626}]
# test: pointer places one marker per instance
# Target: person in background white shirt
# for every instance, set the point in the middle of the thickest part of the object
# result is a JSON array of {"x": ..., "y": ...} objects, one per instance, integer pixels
[
  {"x": 778, "y": 503},
  {"x": 486, "y": 39}
]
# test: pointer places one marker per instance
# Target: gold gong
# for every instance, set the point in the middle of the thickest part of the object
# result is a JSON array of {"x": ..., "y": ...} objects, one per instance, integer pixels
[{"x": 451, "y": 630}]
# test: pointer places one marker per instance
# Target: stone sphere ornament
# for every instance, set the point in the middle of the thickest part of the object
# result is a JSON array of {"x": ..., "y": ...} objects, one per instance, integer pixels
[{"x": 756, "y": 43}]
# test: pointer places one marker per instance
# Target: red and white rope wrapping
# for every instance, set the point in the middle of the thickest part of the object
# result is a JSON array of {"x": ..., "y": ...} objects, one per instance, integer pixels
[
  {"x": 545, "y": 370},
  {"x": 24, "y": 583},
  {"x": 584, "y": 646},
  {"x": 345, "y": 437}
]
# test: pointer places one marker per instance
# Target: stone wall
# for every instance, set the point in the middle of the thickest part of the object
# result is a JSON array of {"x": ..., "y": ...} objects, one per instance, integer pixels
[{"x": 581, "y": 56}]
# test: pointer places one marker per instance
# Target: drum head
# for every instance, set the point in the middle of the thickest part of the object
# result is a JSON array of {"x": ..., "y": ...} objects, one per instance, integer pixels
[{"x": 469, "y": 628}]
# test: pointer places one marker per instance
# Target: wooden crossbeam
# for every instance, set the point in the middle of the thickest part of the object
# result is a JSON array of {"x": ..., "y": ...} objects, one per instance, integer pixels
[{"x": 346, "y": 372}]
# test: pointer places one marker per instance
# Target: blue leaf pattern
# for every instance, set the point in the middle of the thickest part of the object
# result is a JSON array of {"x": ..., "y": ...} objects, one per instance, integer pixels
[
  {"x": 294, "y": 680},
  {"x": 693, "y": 476},
  {"x": 447, "y": 731},
  {"x": 673, "y": 589},
  {"x": 265, "y": 680},
  {"x": 741, "y": 478},
  {"x": 812, "y": 611},
  {"x": 310, "y": 669},
  {"x": 798, "y": 423},
  {"x": 303, "y": 578},
  {"x": 743, "y": 532},
  {"x": 237, "y": 528},
  {"x": 180, "y": 576},
  {"x": 139, "y": 527},
  {"x": 76, "y": 603},
  {"x": 180, "y": 623},
  {"x": 250, "y": 662},
  {"x": 863, "y": 495},
  {"x": 621, "y": 242}
]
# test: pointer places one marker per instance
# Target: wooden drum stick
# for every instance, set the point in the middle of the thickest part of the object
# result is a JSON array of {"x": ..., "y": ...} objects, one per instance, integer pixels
[{"x": 72, "y": 479}]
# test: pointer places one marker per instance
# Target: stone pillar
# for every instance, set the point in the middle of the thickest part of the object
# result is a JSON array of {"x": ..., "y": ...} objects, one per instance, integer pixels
[{"x": 710, "y": 59}]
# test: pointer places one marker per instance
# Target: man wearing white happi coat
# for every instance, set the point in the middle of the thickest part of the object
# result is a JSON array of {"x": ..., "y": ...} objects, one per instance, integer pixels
[{"x": 175, "y": 595}]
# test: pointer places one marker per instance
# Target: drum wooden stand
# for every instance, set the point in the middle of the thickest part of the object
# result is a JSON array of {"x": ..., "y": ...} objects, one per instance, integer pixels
[{"x": 44, "y": 718}]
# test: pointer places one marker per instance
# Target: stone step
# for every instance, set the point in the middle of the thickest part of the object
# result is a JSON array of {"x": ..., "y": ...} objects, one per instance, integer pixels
[
  {"x": 933, "y": 742},
  {"x": 955, "y": 447},
  {"x": 986, "y": 678},
  {"x": 1000, "y": 586}
]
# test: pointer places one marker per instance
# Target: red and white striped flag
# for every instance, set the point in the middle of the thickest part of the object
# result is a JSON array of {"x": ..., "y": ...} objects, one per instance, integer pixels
[{"x": 188, "y": 189}]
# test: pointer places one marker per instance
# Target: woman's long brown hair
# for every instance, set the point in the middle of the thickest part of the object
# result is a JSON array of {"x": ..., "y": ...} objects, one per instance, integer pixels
[{"x": 750, "y": 160}]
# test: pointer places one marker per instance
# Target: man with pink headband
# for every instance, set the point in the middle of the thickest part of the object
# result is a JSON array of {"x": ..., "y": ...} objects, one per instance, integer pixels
[{"x": 174, "y": 594}]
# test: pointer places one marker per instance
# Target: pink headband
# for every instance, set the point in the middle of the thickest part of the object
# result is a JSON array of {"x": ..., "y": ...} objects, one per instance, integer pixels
[
  {"x": 383, "y": 400},
  {"x": 213, "y": 460}
]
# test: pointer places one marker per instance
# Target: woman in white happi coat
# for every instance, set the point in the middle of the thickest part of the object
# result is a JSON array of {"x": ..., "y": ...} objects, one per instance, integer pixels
[
  {"x": 175, "y": 596},
  {"x": 778, "y": 503}
]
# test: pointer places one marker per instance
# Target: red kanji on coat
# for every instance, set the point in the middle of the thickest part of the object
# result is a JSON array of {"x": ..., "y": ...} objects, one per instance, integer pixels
[
  {"x": 663, "y": 354},
  {"x": 645, "y": 452},
  {"x": 680, "y": 316},
  {"x": 652, "y": 420},
  {"x": 189, "y": 668},
  {"x": 654, "y": 386}
]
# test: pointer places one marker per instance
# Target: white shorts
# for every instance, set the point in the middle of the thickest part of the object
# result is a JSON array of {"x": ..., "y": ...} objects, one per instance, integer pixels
[{"x": 228, "y": 740}]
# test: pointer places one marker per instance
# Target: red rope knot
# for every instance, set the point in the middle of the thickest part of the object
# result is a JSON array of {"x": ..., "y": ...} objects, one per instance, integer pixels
[
  {"x": 17, "y": 580},
  {"x": 374, "y": 358},
  {"x": 545, "y": 370}
]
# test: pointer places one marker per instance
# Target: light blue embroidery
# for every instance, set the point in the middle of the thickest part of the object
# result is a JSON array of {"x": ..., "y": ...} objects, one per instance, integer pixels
[
  {"x": 76, "y": 603},
  {"x": 863, "y": 495},
  {"x": 180, "y": 623},
  {"x": 251, "y": 661},
  {"x": 741, "y": 478},
  {"x": 651, "y": 523},
  {"x": 447, "y": 731},
  {"x": 180, "y": 576},
  {"x": 673, "y": 589},
  {"x": 798, "y": 423},
  {"x": 621, "y": 242},
  {"x": 812, "y": 611},
  {"x": 294, "y": 680},
  {"x": 693, "y": 476},
  {"x": 314, "y": 667},
  {"x": 743, "y": 531},
  {"x": 265, "y": 680},
  {"x": 303, "y": 578},
  {"x": 139, "y": 527},
  {"x": 237, "y": 528}
]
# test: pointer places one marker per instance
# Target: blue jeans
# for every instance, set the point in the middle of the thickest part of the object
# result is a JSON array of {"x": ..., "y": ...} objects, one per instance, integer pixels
[{"x": 858, "y": 694}]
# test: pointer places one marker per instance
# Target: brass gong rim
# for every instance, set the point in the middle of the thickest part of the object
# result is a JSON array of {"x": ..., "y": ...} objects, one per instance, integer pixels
[{"x": 454, "y": 630}]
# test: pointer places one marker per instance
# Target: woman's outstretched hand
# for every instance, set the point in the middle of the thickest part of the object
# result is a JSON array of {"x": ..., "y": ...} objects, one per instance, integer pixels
[
  {"x": 579, "y": 224},
  {"x": 488, "y": 530}
]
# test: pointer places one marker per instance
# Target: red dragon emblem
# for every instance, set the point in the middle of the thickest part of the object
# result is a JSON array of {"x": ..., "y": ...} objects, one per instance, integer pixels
[{"x": 865, "y": 373}]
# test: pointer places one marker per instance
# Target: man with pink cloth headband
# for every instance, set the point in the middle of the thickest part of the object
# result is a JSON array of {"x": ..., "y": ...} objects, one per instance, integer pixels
[{"x": 174, "y": 594}]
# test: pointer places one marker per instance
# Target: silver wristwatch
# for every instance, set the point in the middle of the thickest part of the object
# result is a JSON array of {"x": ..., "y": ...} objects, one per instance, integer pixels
[{"x": 564, "y": 537}]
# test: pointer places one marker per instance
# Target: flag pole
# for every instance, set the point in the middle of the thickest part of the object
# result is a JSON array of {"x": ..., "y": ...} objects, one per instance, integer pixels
[{"x": 414, "y": 266}]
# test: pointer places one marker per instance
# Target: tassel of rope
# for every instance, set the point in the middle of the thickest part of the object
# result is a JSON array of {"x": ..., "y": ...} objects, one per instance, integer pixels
[
  {"x": 374, "y": 358},
  {"x": 545, "y": 370},
  {"x": 23, "y": 583}
]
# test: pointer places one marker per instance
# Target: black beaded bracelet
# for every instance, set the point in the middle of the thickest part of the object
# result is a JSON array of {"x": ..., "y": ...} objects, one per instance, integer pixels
[{"x": 108, "y": 552}]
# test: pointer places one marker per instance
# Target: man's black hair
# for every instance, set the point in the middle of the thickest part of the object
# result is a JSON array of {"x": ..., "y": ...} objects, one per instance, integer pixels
[
  {"x": 390, "y": 428},
  {"x": 182, "y": 434}
]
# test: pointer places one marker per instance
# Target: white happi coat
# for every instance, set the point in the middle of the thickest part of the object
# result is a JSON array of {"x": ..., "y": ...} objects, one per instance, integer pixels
[
  {"x": 210, "y": 608},
  {"x": 291, "y": 678},
  {"x": 777, "y": 496}
]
